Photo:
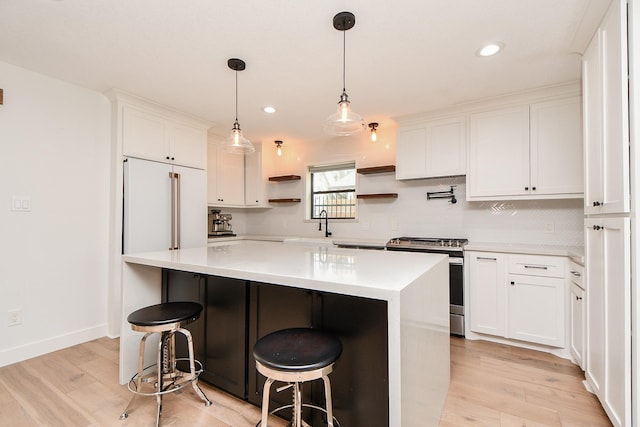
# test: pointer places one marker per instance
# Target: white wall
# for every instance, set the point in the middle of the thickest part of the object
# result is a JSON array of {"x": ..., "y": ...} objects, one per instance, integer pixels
[
  {"x": 55, "y": 140},
  {"x": 410, "y": 214}
]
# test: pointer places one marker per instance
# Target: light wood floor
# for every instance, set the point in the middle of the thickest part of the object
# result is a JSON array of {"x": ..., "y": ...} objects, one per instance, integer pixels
[{"x": 491, "y": 385}]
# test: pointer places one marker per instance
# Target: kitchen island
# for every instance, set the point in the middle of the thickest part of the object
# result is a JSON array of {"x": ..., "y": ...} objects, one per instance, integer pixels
[{"x": 414, "y": 287}]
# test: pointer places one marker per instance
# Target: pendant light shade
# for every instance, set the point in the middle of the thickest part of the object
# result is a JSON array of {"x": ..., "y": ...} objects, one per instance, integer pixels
[
  {"x": 345, "y": 121},
  {"x": 236, "y": 143}
]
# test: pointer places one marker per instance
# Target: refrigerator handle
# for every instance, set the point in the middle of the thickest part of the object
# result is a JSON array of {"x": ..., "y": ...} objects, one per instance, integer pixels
[
  {"x": 178, "y": 207},
  {"x": 173, "y": 212}
]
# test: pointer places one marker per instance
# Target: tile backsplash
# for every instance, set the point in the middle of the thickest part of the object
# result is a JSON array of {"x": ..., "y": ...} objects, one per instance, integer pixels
[{"x": 546, "y": 222}]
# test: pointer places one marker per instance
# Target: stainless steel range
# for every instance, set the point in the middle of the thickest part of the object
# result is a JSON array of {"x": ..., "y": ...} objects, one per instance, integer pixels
[{"x": 455, "y": 249}]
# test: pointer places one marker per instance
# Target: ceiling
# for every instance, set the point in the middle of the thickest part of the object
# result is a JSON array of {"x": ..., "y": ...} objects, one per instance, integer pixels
[{"x": 403, "y": 57}]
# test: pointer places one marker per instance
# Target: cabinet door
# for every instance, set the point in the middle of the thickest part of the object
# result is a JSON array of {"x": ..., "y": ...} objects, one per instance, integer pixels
[
  {"x": 577, "y": 318},
  {"x": 446, "y": 147},
  {"x": 607, "y": 110},
  {"x": 187, "y": 145},
  {"x": 183, "y": 286},
  {"x": 225, "y": 177},
  {"x": 432, "y": 149},
  {"x": 254, "y": 184},
  {"x": 556, "y": 147},
  {"x": 487, "y": 276},
  {"x": 498, "y": 163},
  {"x": 536, "y": 309},
  {"x": 592, "y": 124},
  {"x": 361, "y": 325},
  {"x": 144, "y": 135},
  {"x": 226, "y": 351},
  {"x": 411, "y": 153},
  {"x": 272, "y": 308},
  {"x": 616, "y": 109},
  {"x": 609, "y": 314}
]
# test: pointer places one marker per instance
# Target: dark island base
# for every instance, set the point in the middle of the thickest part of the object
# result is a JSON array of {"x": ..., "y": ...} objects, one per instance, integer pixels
[{"x": 237, "y": 313}]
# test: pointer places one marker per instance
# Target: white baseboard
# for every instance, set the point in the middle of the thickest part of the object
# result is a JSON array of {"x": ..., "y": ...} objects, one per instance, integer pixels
[{"x": 38, "y": 348}]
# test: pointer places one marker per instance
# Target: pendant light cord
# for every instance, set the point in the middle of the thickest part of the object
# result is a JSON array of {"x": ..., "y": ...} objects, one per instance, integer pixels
[
  {"x": 236, "y": 95},
  {"x": 344, "y": 60}
]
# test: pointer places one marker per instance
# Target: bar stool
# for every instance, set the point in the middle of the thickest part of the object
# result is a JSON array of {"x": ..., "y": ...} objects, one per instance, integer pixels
[
  {"x": 166, "y": 319},
  {"x": 296, "y": 356}
]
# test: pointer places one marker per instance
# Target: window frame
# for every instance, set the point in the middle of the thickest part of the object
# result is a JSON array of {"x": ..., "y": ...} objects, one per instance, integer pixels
[{"x": 314, "y": 169}]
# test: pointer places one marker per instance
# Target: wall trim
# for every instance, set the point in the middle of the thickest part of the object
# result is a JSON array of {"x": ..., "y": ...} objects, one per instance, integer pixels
[{"x": 38, "y": 348}]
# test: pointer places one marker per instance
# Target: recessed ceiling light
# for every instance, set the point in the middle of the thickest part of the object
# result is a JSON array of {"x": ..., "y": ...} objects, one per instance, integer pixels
[
  {"x": 269, "y": 109},
  {"x": 490, "y": 49}
]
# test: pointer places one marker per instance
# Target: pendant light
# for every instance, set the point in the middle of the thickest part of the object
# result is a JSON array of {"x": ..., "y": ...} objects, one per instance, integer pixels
[
  {"x": 344, "y": 122},
  {"x": 236, "y": 143},
  {"x": 279, "y": 147},
  {"x": 374, "y": 132}
]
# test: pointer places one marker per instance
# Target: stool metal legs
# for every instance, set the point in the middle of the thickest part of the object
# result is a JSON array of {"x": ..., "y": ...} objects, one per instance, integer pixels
[
  {"x": 295, "y": 380},
  {"x": 168, "y": 378}
]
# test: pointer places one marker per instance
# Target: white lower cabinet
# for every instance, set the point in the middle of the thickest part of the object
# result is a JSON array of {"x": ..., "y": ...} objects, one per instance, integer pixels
[
  {"x": 487, "y": 272},
  {"x": 517, "y": 296},
  {"x": 578, "y": 319},
  {"x": 536, "y": 309}
]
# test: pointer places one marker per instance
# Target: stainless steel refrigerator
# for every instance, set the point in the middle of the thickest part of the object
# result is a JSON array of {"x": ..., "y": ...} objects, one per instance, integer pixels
[{"x": 165, "y": 206}]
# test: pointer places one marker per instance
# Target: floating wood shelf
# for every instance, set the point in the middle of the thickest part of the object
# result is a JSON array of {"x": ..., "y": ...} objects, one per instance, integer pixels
[
  {"x": 284, "y": 178},
  {"x": 378, "y": 196},
  {"x": 285, "y": 200},
  {"x": 377, "y": 169}
]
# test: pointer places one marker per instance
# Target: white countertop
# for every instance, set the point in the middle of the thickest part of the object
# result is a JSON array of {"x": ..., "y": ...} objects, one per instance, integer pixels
[
  {"x": 305, "y": 264},
  {"x": 574, "y": 252}
]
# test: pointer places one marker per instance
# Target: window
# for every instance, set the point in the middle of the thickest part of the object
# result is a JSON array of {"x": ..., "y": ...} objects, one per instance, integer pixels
[{"x": 333, "y": 189}]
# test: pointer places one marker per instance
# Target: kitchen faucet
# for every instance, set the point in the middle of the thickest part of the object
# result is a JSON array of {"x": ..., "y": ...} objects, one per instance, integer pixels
[{"x": 327, "y": 233}]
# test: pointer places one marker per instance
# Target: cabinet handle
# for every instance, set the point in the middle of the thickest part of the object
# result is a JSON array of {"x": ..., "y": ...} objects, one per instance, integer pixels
[
  {"x": 537, "y": 267},
  {"x": 578, "y": 298},
  {"x": 575, "y": 273},
  {"x": 526, "y": 188},
  {"x": 167, "y": 157},
  {"x": 597, "y": 227},
  {"x": 596, "y": 203},
  {"x": 513, "y": 283},
  {"x": 483, "y": 258},
  {"x": 173, "y": 158},
  {"x": 533, "y": 188}
]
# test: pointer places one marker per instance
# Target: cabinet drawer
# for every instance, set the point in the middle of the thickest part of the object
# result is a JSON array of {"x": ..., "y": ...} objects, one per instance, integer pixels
[
  {"x": 537, "y": 265},
  {"x": 576, "y": 274}
]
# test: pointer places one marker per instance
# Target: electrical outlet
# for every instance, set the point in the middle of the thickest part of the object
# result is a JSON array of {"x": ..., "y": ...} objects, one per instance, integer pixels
[
  {"x": 15, "y": 317},
  {"x": 549, "y": 227}
]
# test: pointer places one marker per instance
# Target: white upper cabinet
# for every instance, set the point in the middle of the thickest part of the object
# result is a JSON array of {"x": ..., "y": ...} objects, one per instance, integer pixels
[
  {"x": 606, "y": 116},
  {"x": 529, "y": 151},
  {"x": 498, "y": 162},
  {"x": 254, "y": 182},
  {"x": 225, "y": 177},
  {"x": 556, "y": 147},
  {"x": 151, "y": 135},
  {"x": 431, "y": 149}
]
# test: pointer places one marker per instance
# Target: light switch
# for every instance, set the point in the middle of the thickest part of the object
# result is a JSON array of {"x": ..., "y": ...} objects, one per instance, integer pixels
[{"x": 21, "y": 204}]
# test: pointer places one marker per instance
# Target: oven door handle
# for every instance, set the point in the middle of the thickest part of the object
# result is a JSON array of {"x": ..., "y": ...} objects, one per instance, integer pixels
[{"x": 456, "y": 261}]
